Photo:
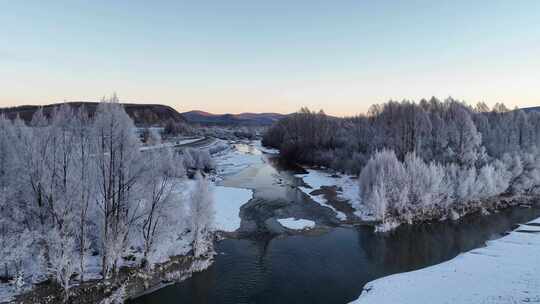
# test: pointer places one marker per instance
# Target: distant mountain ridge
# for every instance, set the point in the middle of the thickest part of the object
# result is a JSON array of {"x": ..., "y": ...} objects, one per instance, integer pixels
[
  {"x": 245, "y": 119},
  {"x": 142, "y": 114},
  {"x": 154, "y": 114},
  {"x": 531, "y": 109}
]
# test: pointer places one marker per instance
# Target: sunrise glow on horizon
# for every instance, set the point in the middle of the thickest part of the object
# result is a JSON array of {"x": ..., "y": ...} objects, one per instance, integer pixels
[{"x": 250, "y": 56}]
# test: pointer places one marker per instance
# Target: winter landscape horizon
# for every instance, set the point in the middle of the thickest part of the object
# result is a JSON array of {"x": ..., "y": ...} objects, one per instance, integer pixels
[{"x": 270, "y": 152}]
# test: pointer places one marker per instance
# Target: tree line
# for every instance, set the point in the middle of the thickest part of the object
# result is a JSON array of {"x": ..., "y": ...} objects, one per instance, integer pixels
[
  {"x": 419, "y": 160},
  {"x": 74, "y": 187}
]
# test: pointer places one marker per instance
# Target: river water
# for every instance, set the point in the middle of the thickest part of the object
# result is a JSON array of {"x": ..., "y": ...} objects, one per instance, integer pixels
[{"x": 330, "y": 266}]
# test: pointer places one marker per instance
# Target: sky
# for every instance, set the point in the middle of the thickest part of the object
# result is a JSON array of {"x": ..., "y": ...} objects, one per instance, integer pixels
[{"x": 270, "y": 56}]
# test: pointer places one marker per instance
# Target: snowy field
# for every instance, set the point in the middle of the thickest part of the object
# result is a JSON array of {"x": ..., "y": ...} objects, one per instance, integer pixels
[
  {"x": 227, "y": 203},
  {"x": 296, "y": 224},
  {"x": 507, "y": 270},
  {"x": 317, "y": 178}
]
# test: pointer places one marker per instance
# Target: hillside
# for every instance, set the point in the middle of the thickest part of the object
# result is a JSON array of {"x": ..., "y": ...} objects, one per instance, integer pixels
[
  {"x": 142, "y": 114},
  {"x": 244, "y": 119},
  {"x": 531, "y": 109}
]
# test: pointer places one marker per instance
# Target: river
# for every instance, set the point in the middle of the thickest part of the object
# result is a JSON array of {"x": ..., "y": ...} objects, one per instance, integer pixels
[{"x": 330, "y": 265}]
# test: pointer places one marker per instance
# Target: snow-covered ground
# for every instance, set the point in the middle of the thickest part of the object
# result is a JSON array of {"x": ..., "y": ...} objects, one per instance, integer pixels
[
  {"x": 296, "y": 224},
  {"x": 7, "y": 292},
  {"x": 507, "y": 270},
  {"x": 317, "y": 178},
  {"x": 227, "y": 202}
]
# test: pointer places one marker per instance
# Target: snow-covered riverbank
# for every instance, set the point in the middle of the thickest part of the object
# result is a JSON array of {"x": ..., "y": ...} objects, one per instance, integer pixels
[
  {"x": 227, "y": 204},
  {"x": 507, "y": 270}
]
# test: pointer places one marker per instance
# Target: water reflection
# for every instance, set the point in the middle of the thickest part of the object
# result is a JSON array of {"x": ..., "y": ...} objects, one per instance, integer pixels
[
  {"x": 333, "y": 267},
  {"x": 247, "y": 149}
]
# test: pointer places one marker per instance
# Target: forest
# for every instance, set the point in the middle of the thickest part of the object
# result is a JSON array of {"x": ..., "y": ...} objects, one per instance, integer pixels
[
  {"x": 78, "y": 195},
  {"x": 416, "y": 161}
]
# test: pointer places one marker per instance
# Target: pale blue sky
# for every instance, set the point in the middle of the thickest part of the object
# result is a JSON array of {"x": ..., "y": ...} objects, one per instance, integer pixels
[{"x": 235, "y": 56}]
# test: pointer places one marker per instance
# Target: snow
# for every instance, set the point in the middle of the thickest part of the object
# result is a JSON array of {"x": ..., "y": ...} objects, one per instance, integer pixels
[
  {"x": 227, "y": 203},
  {"x": 296, "y": 224},
  {"x": 318, "y": 178},
  {"x": 92, "y": 268},
  {"x": 507, "y": 270},
  {"x": 7, "y": 291}
]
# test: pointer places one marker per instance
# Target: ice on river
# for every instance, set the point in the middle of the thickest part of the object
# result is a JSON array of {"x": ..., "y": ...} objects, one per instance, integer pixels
[
  {"x": 296, "y": 224},
  {"x": 507, "y": 270},
  {"x": 236, "y": 159}
]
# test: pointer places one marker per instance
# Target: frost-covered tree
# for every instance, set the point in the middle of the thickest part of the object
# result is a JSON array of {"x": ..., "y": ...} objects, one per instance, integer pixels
[
  {"x": 201, "y": 212},
  {"x": 7, "y": 187},
  {"x": 74, "y": 184},
  {"x": 63, "y": 258},
  {"x": 489, "y": 182},
  {"x": 119, "y": 173},
  {"x": 463, "y": 138},
  {"x": 415, "y": 190},
  {"x": 426, "y": 183},
  {"x": 162, "y": 174},
  {"x": 461, "y": 154},
  {"x": 384, "y": 181},
  {"x": 151, "y": 136},
  {"x": 198, "y": 159},
  {"x": 16, "y": 252},
  {"x": 529, "y": 179},
  {"x": 85, "y": 174}
]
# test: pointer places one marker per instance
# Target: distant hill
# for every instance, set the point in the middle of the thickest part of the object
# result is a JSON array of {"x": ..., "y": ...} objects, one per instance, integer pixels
[
  {"x": 531, "y": 109},
  {"x": 142, "y": 114},
  {"x": 243, "y": 119}
]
